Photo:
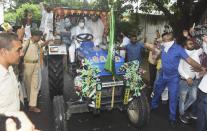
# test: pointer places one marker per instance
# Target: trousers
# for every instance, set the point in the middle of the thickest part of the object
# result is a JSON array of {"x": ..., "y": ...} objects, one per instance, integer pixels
[
  {"x": 31, "y": 74},
  {"x": 72, "y": 50},
  {"x": 153, "y": 71},
  {"x": 202, "y": 111},
  {"x": 187, "y": 95},
  {"x": 172, "y": 85}
]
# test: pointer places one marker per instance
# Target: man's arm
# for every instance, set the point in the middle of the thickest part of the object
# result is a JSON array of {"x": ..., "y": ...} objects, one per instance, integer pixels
[
  {"x": 121, "y": 48},
  {"x": 149, "y": 46},
  {"x": 205, "y": 47},
  {"x": 197, "y": 67},
  {"x": 44, "y": 43}
]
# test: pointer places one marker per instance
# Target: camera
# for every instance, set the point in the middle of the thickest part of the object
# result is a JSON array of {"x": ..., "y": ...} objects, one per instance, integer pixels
[{"x": 3, "y": 119}]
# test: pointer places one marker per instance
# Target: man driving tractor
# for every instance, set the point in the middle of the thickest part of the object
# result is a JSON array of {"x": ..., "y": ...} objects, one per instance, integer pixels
[{"x": 75, "y": 31}]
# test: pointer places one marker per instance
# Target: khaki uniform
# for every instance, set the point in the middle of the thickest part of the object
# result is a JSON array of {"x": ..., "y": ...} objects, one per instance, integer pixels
[{"x": 32, "y": 71}]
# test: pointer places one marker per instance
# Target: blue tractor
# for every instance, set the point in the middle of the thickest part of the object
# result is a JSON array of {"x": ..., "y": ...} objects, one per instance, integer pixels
[{"x": 96, "y": 88}]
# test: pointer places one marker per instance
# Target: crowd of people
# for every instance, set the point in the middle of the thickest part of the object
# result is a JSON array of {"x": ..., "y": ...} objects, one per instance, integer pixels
[{"x": 177, "y": 69}]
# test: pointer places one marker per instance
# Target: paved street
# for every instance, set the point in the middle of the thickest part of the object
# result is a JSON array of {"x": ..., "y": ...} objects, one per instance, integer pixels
[{"x": 107, "y": 121}]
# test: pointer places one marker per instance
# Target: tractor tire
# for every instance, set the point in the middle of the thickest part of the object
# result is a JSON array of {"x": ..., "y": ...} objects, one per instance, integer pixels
[
  {"x": 59, "y": 114},
  {"x": 55, "y": 75},
  {"x": 139, "y": 111}
]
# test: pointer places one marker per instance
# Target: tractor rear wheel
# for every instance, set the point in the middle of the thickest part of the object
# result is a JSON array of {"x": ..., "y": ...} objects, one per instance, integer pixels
[
  {"x": 59, "y": 114},
  {"x": 55, "y": 75}
]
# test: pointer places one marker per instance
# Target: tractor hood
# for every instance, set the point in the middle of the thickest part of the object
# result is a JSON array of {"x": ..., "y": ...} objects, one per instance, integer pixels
[{"x": 98, "y": 58}]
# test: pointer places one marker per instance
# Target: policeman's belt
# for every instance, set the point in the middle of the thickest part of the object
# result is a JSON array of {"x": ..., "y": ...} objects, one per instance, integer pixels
[{"x": 30, "y": 61}]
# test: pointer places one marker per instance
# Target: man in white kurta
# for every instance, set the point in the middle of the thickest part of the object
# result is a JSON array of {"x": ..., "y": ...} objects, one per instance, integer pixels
[
  {"x": 10, "y": 53},
  {"x": 46, "y": 25},
  {"x": 75, "y": 31},
  {"x": 9, "y": 91}
]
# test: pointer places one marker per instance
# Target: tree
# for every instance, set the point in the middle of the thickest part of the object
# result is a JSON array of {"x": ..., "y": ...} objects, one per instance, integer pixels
[
  {"x": 181, "y": 14},
  {"x": 18, "y": 14}
]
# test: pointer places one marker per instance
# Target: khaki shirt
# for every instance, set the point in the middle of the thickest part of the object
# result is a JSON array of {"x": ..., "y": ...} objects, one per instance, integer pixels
[
  {"x": 32, "y": 51},
  {"x": 9, "y": 91}
]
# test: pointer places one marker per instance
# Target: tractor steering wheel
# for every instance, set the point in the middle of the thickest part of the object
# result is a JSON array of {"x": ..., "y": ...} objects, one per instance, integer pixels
[{"x": 84, "y": 37}]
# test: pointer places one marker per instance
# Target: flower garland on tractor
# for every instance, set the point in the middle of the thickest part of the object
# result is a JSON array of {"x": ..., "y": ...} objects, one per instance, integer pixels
[
  {"x": 87, "y": 80},
  {"x": 132, "y": 77}
]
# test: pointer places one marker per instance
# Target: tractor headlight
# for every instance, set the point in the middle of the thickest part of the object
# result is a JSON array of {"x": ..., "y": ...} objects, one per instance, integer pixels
[{"x": 54, "y": 49}]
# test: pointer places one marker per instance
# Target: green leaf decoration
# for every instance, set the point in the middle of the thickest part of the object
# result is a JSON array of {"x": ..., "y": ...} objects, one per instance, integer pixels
[
  {"x": 88, "y": 77},
  {"x": 133, "y": 77}
]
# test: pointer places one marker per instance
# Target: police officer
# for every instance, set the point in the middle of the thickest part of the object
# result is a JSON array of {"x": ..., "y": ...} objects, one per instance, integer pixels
[
  {"x": 32, "y": 72},
  {"x": 169, "y": 76}
]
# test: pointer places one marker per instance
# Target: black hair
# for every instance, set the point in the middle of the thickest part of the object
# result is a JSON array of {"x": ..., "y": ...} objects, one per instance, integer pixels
[
  {"x": 186, "y": 41},
  {"x": 164, "y": 34},
  {"x": 133, "y": 35},
  {"x": 36, "y": 33},
  {"x": 6, "y": 40},
  {"x": 167, "y": 33},
  {"x": 81, "y": 18}
]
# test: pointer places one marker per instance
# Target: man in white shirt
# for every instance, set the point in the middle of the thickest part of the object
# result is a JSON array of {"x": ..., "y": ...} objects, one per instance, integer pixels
[
  {"x": 47, "y": 22},
  {"x": 10, "y": 53},
  {"x": 202, "y": 97},
  {"x": 171, "y": 54},
  {"x": 189, "y": 82},
  {"x": 75, "y": 31},
  {"x": 125, "y": 41}
]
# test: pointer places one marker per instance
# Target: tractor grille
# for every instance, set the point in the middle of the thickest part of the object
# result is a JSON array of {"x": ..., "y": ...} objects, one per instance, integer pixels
[{"x": 107, "y": 90}]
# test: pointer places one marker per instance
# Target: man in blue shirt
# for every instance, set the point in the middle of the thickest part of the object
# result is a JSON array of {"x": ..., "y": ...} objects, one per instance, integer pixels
[
  {"x": 169, "y": 76},
  {"x": 134, "y": 49}
]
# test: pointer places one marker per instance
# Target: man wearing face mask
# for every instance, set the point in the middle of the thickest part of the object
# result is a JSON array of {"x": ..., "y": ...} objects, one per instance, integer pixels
[
  {"x": 134, "y": 49},
  {"x": 75, "y": 31},
  {"x": 169, "y": 76}
]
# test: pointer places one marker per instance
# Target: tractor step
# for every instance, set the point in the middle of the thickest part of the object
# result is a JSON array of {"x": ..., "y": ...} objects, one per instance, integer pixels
[{"x": 77, "y": 107}]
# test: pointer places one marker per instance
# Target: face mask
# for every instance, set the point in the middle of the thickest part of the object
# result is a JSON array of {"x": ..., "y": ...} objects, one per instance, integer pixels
[
  {"x": 166, "y": 44},
  {"x": 81, "y": 24}
]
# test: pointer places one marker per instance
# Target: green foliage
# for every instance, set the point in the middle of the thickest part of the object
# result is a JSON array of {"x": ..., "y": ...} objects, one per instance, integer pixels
[
  {"x": 18, "y": 14},
  {"x": 88, "y": 80},
  {"x": 149, "y": 6},
  {"x": 133, "y": 77},
  {"x": 35, "y": 9},
  {"x": 130, "y": 24},
  {"x": 10, "y": 16}
]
